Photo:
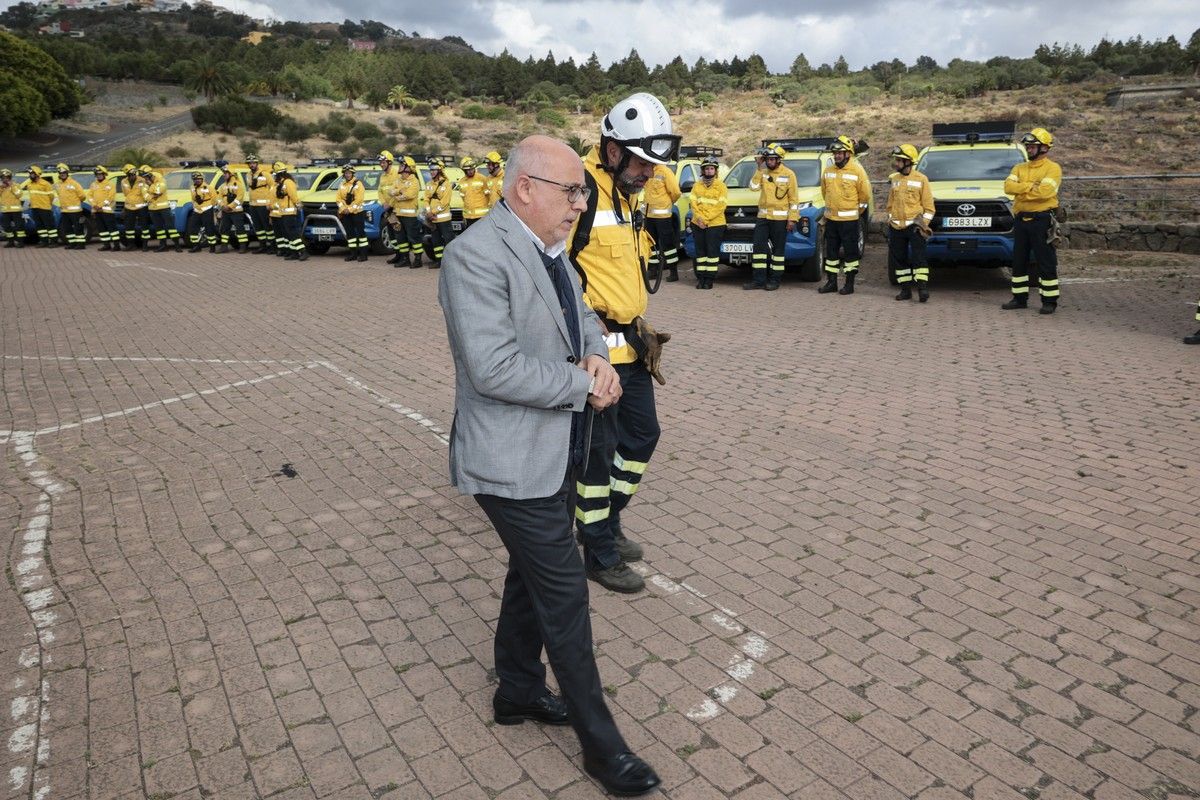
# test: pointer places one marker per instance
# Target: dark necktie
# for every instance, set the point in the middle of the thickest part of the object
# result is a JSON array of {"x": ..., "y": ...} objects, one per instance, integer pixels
[{"x": 566, "y": 298}]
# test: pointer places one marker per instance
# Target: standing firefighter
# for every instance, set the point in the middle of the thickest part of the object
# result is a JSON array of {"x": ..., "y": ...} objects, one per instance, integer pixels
[
  {"x": 910, "y": 210},
  {"x": 70, "y": 207},
  {"x": 233, "y": 213},
  {"x": 162, "y": 216},
  {"x": 404, "y": 198},
  {"x": 1034, "y": 188},
  {"x": 350, "y": 209},
  {"x": 204, "y": 210},
  {"x": 261, "y": 189},
  {"x": 847, "y": 192},
  {"x": 495, "y": 177},
  {"x": 661, "y": 193},
  {"x": 778, "y": 212},
  {"x": 41, "y": 206},
  {"x": 137, "y": 217},
  {"x": 610, "y": 252},
  {"x": 102, "y": 197},
  {"x": 437, "y": 209},
  {"x": 287, "y": 204},
  {"x": 10, "y": 208},
  {"x": 709, "y": 198},
  {"x": 474, "y": 190}
]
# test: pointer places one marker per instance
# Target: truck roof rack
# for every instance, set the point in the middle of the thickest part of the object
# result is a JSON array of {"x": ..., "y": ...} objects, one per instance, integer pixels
[
  {"x": 421, "y": 158},
  {"x": 700, "y": 151},
  {"x": 343, "y": 162},
  {"x": 794, "y": 144},
  {"x": 974, "y": 132}
]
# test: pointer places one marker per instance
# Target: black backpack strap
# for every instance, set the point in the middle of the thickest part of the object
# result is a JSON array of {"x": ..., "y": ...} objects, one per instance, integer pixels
[{"x": 583, "y": 230}]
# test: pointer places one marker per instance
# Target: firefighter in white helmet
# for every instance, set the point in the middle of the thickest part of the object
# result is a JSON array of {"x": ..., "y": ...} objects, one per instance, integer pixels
[{"x": 610, "y": 249}]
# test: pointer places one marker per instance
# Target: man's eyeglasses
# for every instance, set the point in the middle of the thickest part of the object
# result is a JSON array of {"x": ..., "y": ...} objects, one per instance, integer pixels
[{"x": 574, "y": 191}]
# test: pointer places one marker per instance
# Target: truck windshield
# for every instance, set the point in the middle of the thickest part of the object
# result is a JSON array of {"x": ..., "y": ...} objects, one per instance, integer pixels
[
  {"x": 969, "y": 165},
  {"x": 808, "y": 172}
]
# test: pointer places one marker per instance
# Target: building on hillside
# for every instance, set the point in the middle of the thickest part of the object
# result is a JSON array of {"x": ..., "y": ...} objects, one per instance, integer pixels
[
  {"x": 256, "y": 37},
  {"x": 365, "y": 45}
]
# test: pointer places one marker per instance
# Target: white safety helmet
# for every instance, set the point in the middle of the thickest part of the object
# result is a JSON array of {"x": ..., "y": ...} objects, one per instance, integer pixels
[{"x": 640, "y": 123}]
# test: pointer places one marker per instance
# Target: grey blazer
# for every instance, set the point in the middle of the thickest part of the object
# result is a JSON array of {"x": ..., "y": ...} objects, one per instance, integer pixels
[{"x": 516, "y": 380}]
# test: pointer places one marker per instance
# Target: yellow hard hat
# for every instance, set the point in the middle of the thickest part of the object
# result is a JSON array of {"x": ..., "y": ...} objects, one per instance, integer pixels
[
  {"x": 60, "y": 167},
  {"x": 775, "y": 149},
  {"x": 467, "y": 163},
  {"x": 349, "y": 168},
  {"x": 436, "y": 163},
  {"x": 1038, "y": 136},
  {"x": 100, "y": 169},
  {"x": 410, "y": 162},
  {"x": 5, "y": 173},
  {"x": 34, "y": 169},
  {"x": 493, "y": 157},
  {"x": 386, "y": 155},
  {"x": 905, "y": 151},
  {"x": 842, "y": 144},
  {"x": 279, "y": 166},
  {"x": 128, "y": 168},
  {"x": 145, "y": 169},
  {"x": 253, "y": 158}
]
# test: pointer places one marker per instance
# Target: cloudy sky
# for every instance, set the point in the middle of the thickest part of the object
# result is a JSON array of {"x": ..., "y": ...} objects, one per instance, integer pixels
[{"x": 865, "y": 31}]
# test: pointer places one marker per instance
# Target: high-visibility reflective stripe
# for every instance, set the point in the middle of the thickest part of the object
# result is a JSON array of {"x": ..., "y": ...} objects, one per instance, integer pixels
[
  {"x": 71, "y": 209},
  {"x": 922, "y": 273},
  {"x": 590, "y": 492},
  {"x": 1048, "y": 282},
  {"x": 661, "y": 210},
  {"x": 624, "y": 487},
  {"x": 904, "y": 223},
  {"x": 588, "y": 517},
  {"x": 851, "y": 266},
  {"x": 1011, "y": 177},
  {"x": 1020, "y": 279},
  {"x": 917, "y": 184},
  {"x": 604, "y": 219},
  {"x": 1020, "y": 290},
  {"x": 851, "y": 213},
  {"x": 928, "y": 215},
  {"x": 483, "y": 210},
  {"x": 1050, "y": 181},
  {"x": 614, "y": 340},
  {"x": 776, "y": 212},
  {"x": 625, "y": 465}
]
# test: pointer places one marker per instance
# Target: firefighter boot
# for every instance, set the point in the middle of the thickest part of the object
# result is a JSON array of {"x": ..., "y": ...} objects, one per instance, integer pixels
[
  {"x": 672, "y": 274},
  {"x": 212, "y": 248},
  {"x": 362, "y": 254},
  {"x": 195, "y": 248},
  {"x": 1048, "y": 308},
  {"x": 905, "y": 292},
  {"x": 1018, "y": 301},
  {"x": 1193, "y": 339},
  {"x": 245, "y": 248},
  {"x": 416, "y": 261},
  {"x": 162, "y": 247},
  {"x": 849, "y": 287},
  {"x": 923, "y": 291},
  {"x": 351, "y": 256},
  {"x": 302, "y": 254},
  {"x": 830, "y": 284},
  {"x": 405, "y": 261},
  {"x": 224, "y": 248}
]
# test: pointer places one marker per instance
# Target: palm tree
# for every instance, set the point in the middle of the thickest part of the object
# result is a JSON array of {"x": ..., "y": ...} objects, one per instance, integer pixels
[
  {"x": 398, "y": 97},
  {"x": 351, "y": 84},
  {"x": 576, "y": 143},
  {"x": 209, "y": 76}
]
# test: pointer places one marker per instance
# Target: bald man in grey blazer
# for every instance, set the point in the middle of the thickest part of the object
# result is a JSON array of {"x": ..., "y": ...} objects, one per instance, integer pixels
[{"x": 529, "y": 361}]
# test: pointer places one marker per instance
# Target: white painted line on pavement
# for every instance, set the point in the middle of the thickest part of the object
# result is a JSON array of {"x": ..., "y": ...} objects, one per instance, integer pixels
[
  {"x": 752, "y": 644},
  {"x": 416, "y": 416},
  {"x": 112, "y": 262},
  {"x": 161, "y": 359}
]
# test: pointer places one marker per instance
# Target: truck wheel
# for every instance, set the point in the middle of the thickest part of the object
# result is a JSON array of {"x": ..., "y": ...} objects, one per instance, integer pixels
[
  {"x": 814, "y": 266},
  {"x": 862, "y": 238},
  {"x": 381, "y": 245}
]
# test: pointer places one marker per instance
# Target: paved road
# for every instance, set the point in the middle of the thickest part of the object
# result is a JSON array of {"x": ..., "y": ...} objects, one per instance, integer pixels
[
  {"x": 893, "y": 550},
  {"x": 87, "y": 148}
]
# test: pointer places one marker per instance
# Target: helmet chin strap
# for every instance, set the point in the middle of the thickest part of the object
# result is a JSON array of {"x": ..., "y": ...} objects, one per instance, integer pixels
[{"x": 622, "y": 165}]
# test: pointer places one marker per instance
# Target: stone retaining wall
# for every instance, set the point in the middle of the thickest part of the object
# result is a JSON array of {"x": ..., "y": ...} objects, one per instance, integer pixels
[{"x": 1148, "y": 236}]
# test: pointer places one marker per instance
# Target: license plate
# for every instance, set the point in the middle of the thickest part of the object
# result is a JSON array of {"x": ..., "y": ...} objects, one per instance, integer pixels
[
  {"x": 456, "y": 226},
  {"x": 966, "y": 222},
  {"x": 324, "y": 231},
  {"x": 737, "y": 247}
]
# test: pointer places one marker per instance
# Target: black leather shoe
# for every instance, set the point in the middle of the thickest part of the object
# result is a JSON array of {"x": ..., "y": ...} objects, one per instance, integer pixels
[
  {"x": 1014, "y": 304},
  {"x": 624, "y": 774},
  {"x": 547, "y": 709},
  {"x": 1048, "y": 308},
  {"x": 1193, "y": 339}
]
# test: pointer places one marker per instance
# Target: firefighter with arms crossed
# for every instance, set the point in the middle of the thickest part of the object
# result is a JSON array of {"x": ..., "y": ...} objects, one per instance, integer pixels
[
  {"x": 910, "y": 210},
  {"x": 610, "y": 252},
  {"x": 1034, "y": 188}
]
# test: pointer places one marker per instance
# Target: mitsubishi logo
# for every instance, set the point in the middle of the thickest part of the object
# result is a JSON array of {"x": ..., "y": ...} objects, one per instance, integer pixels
[
  {"x": 741, "y": 212},
  {"x": 325, "y": 207},
  {"x": 966, "y": 210}
]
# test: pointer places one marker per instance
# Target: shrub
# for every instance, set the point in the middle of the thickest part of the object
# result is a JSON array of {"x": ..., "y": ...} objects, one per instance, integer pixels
[
  {"x": 422, "y": 110},
  {"x": 477, "y": 111},
  {"x": 366, "y": 130},
  {"x": 552, "y": 117},
  {"x": 292, "y": 131},
  {"x": 335, "y": 134},
  {"x": 454, "y": 135},
  {"x": 391, "y": 124},
  {"x": 175, "y": 151},
  {"x": 229, "y": 113}
]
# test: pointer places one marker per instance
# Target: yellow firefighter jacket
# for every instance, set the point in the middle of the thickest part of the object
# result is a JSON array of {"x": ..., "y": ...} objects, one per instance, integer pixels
[
  {"x": 495, "y": 186},
  {"x": 662, "y": 191},
  {"x": 156, "y": 193},
  {"x": 847, "y": 190},
  {"x": 387, "y": 181},
  {"x": 231, "y": 195},
  {"x": 261, "y": 186},
  {"x": 135, "y": 193},
  {"x": 10, "y": 197},
  {"x": 709, "y": 201},
  {"x": 70, "y": 196},
  {"x": 405, "y": 195},
  {"x": 474, "y": 191},
  {"x": 778, "y": 195},
  {"x": 437, "y": 198},
  {"x": 910, "y": 201},
  {"x": 350, "y": 197},
  {"x": 41, "y": 193},
  {"x": 102, "y": 197},
  {"x": 612, "y": 261},
  {"x": 202, "y": 198},
  {"x": 286, "y": 199},
  {"x": 1034, "y": 185}
]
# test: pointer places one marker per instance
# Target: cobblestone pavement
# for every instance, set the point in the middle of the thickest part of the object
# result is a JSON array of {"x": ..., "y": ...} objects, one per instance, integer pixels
[{"x": 893, "y": 550}]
